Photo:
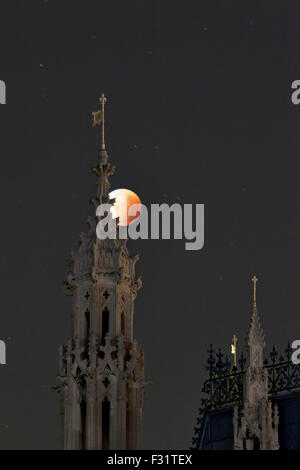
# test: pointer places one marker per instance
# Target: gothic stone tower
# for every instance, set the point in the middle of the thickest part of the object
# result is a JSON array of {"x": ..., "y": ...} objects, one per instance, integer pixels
[
  {"x": 101, "y": 371},
  {"x": 258, "y": 426}
]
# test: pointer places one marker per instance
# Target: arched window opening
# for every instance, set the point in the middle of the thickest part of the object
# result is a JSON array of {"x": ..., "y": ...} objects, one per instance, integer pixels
[
  {"x": 87, "y": 323},
  {"x": 83, "y": 424},
  {"x": 127, "y": 428},
  {"x": 105, "y": 423},
  {"x": 256, "y": 443},
  {"x": 123, "y": 323}
]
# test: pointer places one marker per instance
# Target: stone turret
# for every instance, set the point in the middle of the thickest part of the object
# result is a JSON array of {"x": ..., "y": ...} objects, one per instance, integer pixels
[{"x": 101, "y": 371}]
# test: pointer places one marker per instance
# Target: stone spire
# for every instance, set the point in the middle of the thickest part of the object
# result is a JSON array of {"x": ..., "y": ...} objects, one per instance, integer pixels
[
  {"x": 256, "y": 336},
  {"x": 102, "y": 367},
  {"x": 257, "y": 427}
]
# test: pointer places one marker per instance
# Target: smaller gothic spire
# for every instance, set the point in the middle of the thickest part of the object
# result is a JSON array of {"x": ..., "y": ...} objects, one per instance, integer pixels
[
  {"x": 258, "y": 426},
  {"x": 256, "y": 334}
]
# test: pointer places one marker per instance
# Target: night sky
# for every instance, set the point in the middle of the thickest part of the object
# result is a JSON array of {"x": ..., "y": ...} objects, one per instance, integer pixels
[{"x": 199, "y": 111}]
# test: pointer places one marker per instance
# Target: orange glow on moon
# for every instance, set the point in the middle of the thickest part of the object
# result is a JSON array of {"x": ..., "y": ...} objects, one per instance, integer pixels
[{"x": 124, "y": 199}]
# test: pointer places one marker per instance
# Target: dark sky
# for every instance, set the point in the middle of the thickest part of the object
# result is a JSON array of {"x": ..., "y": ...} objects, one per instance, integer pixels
[{"x": 199, "y": 109}]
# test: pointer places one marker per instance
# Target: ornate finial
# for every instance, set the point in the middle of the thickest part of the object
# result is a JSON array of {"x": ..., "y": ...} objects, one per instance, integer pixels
[
  {"x": 254, "y": 280},
  {"x": 233, "y": 349},
  {"x": 98, "y": 118}
]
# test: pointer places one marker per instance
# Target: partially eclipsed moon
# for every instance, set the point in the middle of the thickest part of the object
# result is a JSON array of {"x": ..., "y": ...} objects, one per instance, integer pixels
[{"x": 124, "y": 199}]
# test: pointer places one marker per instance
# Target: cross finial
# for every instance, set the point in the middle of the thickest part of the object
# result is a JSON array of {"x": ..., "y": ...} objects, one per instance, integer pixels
[
  {"x": 233, "y": 349},
  {"x": 98, "y": 118},
  {"x": 254, "y": 280}
]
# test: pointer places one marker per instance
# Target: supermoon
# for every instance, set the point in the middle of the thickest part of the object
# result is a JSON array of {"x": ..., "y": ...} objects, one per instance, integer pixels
[{"x": 124, "y": 199}]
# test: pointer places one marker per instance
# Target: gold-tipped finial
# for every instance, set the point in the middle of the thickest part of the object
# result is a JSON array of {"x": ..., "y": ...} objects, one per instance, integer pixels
[
  {"x": 98, "y": 118},
  {"x": 233, "y": 349},
  {"x": 254, "y": 280}
]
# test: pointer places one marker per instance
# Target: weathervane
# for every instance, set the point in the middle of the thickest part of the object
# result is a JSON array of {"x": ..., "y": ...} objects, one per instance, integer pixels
[
  {"x": 98, "y": 118},
  {"x": 233, "y": 349},
  {"x": 254, "y": 280}
]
